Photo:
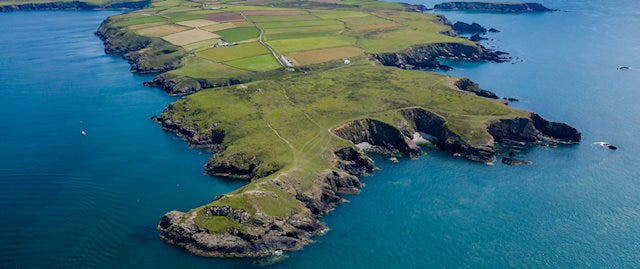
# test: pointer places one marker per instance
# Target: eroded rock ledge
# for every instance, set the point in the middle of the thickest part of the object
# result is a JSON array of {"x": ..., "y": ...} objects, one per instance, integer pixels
[
  {"x": 426, "y": 56},
  {"x": 141, "y": 52}
]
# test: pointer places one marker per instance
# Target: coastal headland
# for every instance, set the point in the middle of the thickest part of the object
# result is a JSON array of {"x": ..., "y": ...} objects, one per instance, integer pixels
[{"x": 291, "y": 95}]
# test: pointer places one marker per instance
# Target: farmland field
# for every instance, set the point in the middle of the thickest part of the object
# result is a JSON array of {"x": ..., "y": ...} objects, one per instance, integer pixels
[
  {"x": 268, "y": 25},
  {"x": 189, "y": 36},
  {"x": 239, "y": 33},
  {"x": 324, "y": 55},
  {"x": 297, "y": 44},
  {"x": 197, "y": 67},
  {"x": 197, "y": 23},
  {"x": 257, "y": 63},
  {"x": 162, "y": 30},
  {"x": 223, "y": 54},
  {"x": 218, "y": 27}
]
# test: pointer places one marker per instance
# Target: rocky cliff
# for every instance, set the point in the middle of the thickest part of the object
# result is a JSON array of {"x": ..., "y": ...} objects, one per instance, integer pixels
[
  {"x": 144, "y": 54},
  {"x": 506, "y": 7},
  {"x": 426, "y": 56}
]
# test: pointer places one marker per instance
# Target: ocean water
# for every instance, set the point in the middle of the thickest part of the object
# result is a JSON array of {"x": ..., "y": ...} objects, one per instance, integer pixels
[{"x": 72, "y": 201}]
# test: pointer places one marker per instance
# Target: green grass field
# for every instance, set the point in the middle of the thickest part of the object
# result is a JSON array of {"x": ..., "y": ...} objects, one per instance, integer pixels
[
  {"x": 223, "y": 54},
  {"x": 259, "y": 63},
  {"x": 290, "y": 24},
  {"x": 239, "y": 34},
  {"x": 297, "y": 44}
]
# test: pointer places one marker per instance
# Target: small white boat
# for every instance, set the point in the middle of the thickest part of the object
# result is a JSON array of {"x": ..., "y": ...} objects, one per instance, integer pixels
[
  {"x": 278, "y": 253},
  {"x": 83, "y": 133}
]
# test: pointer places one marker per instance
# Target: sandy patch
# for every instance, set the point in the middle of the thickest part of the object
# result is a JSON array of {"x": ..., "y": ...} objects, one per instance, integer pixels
[
  {"x": 162, "y": 30},
  {"x": 218, "y": 27},
  {"x": 188, "y": 37}
]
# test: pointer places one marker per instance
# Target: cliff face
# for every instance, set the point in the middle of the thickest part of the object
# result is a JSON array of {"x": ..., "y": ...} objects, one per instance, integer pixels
[
  {"x": 383, "y": 137},
  {"x": 73, "y": 5},
  {"x": 138, "y": 50},
  {"x": 507, "y": 7},
  {"x": 426, "y": 56},
  {"x": 390, "y": 139},
  {"x": 263, "y": 234}
]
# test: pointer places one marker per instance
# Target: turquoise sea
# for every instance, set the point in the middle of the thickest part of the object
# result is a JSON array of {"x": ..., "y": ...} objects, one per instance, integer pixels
[{"x": 73, "y": 201}]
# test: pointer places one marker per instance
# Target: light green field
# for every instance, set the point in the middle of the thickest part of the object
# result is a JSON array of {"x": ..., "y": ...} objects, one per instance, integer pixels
[
  {"x": 239, "y": 34},
  {"x": 365, "y": 20},
  {"x": 269, "y": 25},
  {"x": 223, "y": 54},
  {"x": 338, "y": 14},
  {"x": 259, "y": 63},
  {"x": 197, "y": 67},
  {"x": 139, "y": 20},
  {"x": 283, "y": 18},
  {"x": 296, "y": 44}
]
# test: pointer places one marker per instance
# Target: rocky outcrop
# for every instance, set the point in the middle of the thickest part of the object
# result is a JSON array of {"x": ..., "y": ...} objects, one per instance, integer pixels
[
  {"x": 465, "y": 84},
  {"x": 382, "y": 137},
  {"x": 426, "y": 56},
  {"x": 259, "y": 234},
  {"x": 289, "y": 233},
  {"x": 176, "y": 85},
  {"x": 191, "y": 134},
  {"x": 503, "y": 7},
  {"x": 430, "y": 123},
  {"x": 74, "y": 5},
  {"x": 353, "y": 162},
  {"x": 118, "y": 40},
  {"x": 533, "y": 129},
  {"x": 138, "y": 50},
  {"x": 473, "y": 28}
]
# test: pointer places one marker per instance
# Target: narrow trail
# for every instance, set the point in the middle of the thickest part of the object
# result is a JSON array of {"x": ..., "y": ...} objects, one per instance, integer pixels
[
  {"x": 281, "y": 138},
  {"x": 260, "y": 39}
]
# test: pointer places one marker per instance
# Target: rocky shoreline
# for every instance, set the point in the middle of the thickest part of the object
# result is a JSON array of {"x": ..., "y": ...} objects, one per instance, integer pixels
[
  {"x": 427, "y": 56},
  {"x": 268, "y": 234},
  {"x": 502, "y": 7},
  {"x": 75, "y": 5}
]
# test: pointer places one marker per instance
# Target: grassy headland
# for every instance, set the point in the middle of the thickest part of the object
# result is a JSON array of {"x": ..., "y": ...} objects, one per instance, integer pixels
[{"x": 293, "y": 134}]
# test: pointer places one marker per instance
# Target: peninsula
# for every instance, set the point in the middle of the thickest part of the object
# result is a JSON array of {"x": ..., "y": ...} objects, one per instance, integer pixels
[
  {"x": 291, "y": 94},
  {"x": 502, "y": 7}
]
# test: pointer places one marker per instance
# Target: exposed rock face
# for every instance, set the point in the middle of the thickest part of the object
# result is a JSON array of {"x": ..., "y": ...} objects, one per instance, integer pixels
[
  {"x": 465, "y": 84},
  {"x": 189, "y": 133},
  {"x": 473, "y": 28},
  {"x": 507, "y": 7},
  {"x": 73, "y": 5},
  {"x": 267, "y": 234},
  {"x": 353, "y": 161},
  {"x": 428, "y": 122},
  {"x": 138, "y": 50},
  {"x": 476, "y": 37},
  {"x": 176, "y": 85},
  {"x": 117, "y": 41},
  {"x": 384, "y": 137},
  {"x": 288, "y": 233},
  {"x": 428, "y": 55},
  {"x": 514, "y": 161},
  {"x": 533, "y": 129}
]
